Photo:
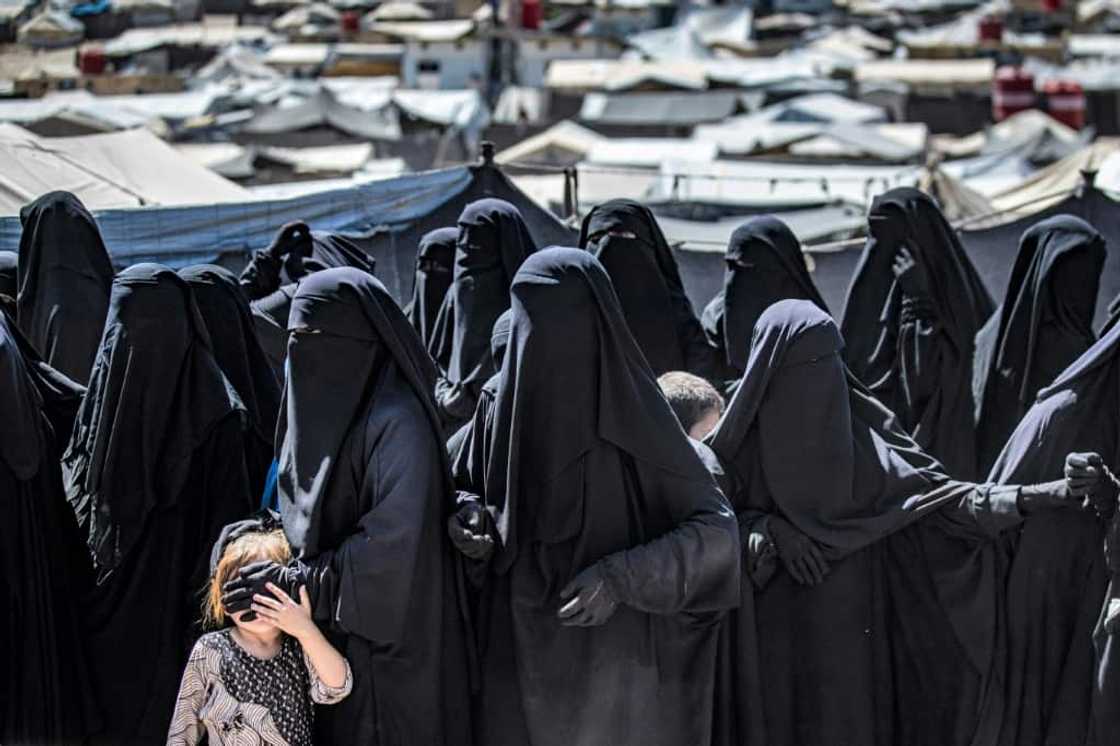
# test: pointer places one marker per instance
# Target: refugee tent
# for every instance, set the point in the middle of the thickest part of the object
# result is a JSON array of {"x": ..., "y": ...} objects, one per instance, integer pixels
[
  {"x": 118, "y": 169},
  {"x": 387, "y": 217}
]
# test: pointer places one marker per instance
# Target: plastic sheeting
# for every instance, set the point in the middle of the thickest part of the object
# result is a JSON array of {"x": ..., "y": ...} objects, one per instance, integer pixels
[{"x": 387, "y": 217}]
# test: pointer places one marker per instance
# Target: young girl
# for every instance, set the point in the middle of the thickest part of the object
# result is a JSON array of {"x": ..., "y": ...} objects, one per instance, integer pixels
[{"x": 255, "y": 682}]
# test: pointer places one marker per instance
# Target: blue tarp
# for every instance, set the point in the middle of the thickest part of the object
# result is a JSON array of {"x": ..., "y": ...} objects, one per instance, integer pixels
[
  {"x": 180, "y": 236},
  {"x": 91, "y": 8}
]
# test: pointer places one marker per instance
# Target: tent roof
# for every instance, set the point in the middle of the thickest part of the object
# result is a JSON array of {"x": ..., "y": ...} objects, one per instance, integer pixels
[
  {"x": 120, "y": 169},
  {"x": 659, "y": 109}
]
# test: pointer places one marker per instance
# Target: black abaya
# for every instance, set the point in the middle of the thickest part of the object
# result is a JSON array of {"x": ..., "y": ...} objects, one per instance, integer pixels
[
  {"x": 764, "y": 265},
  {"x": 584, "y": 466},
  {"x": 911, "y": 343},
  {"x": 9, "y": 283},
  {"x": 155, "y": 467},
  {"x": 434, "y": 259},
  {"x": 45, "y": 692},
  {"x": 493, "y": 242},
  {"x": 233, "y": 339},
  {"x": 626, "y": 239},
  {"x": 1063, "y": 672},
  {"x": 804, "y": 441},
  {"x": 64, "y": 279},
  {"x": 1044, "y": 324},
  {"x": 364, "y": 492}
]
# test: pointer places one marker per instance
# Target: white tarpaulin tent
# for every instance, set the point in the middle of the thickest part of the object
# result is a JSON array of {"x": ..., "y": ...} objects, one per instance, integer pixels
[{"x": 119, "y": 169}]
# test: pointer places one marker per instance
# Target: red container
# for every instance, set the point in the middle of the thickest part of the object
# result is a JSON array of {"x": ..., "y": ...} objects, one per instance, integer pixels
[
  {"x": 531, "y": 12},
  {"x": 1012, "y": 92},
  {"x": 1065, "y": 101},
  {"x": 991, "y": 29},
  {"x": 351, "y": 22},
  {"x": 91, "y": 60}
]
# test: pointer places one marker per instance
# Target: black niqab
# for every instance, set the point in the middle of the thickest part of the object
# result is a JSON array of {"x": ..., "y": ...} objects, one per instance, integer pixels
[
  {"x": 915, "y": 354},
  {"x": 45, "y": 694},
  {"x": 493, "y": 242},
  {"x": 155, "y": 467},
  {"x": 1044, "y": 324},
  {"x": 868, "y": 478},
  {"x": 765, "y": 264},
  {"x": 64, "y": 280},
  {"x": 344, "y": 326},
  {"x": 434, "y": 259},
  {"x": 154, "y": 396},
  {"x": 586, "y": 464},
  {"x": 1064, "y": 677},
  {"x": 364, "y": 490},
  {"x": 236, "y": 349},
  {"x": 647, "y": 280}
]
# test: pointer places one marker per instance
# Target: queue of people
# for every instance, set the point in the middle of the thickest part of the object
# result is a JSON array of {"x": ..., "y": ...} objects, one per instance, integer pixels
[{"x": 545, "y": 502}]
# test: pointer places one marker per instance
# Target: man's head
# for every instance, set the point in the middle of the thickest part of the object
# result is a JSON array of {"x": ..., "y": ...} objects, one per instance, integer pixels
[{"x": 695, "y": 402}]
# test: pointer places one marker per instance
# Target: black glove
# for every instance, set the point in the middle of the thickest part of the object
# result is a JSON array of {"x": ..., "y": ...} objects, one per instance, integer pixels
[
  {"x": 238, "y": 592},
  {"x": 592, "y": 601},
  {"x": 800, "y": 555},
  {"x": 760, "y": 556},
  {"x": 469, "y": 531},
  {"x": 911, "y": 274},
  {"x": 293, "y": 238}
]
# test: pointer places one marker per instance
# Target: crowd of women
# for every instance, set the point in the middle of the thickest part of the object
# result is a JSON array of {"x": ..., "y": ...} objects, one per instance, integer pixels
[{"x": 897, "y": 530}]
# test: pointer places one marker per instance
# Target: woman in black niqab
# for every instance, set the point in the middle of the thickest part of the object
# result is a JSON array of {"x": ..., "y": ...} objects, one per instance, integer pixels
[
  {"x": 1045, "y": 323},
  {"x": 626, "y": 239},
  {"x": 765, "y": 264},
  {"x": 45, "y": 691},
  {"x": 1063, "y": 678},
  {"x": 155, "y": 467},
  {"x": 601, "y": 506},
  {"x": 364, "y": 490},
  {"x": 493, "y": 242},
  {"x": 64, "y": 280},
  {"x": 810, "y": 452},
  {"x": 434, "y": 258},
  {"x": 914, "y": 307},
  {"x": 233, "y": 340}
]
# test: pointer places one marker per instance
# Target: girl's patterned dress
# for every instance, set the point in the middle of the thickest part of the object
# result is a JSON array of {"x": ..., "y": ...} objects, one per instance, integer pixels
[{"x": 241, "y": 700}]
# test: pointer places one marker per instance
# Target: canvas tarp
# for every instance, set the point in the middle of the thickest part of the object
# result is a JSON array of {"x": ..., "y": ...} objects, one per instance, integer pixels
[
  {"x": 387, "y": 217},
  {"x": 118, "y": 169}
]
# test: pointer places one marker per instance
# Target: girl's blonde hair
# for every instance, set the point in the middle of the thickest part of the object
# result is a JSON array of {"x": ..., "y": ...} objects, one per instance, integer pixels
[{"x": 244, "y": 550}]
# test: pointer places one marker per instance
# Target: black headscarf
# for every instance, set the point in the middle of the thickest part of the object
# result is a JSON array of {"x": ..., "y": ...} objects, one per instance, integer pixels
[
  {"x": 493, "y": 242},
  {"x": 836, "y": 462},
  {"x": 764, "y": 265},
  {"x": 38, "y": 402},
  {"x": 238, "y": 353},
  {"x": 1044, "y": 324},
  {"x": 344, "y": 327},
  {"x": 155, "y": 394},
  {"x": 64, "y": 279},
  {"x": 573, "y": 375},
  {"x": 877, "y": 309},
  {"x": 434, "y": 258},
  {"x": 645, "y": 276},
  {"x": 234, "y": 343}
]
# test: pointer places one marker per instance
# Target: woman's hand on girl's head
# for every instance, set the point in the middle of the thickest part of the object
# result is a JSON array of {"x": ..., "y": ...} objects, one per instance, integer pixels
[{"x": 284, "y": 613}]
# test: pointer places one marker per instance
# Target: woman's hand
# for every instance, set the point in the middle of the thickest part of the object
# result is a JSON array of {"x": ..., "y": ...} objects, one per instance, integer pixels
[
  {"x": 285, "y": 614},
  {"x": 800, "y": 555}
]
